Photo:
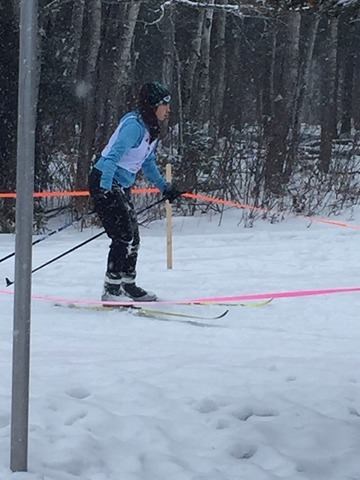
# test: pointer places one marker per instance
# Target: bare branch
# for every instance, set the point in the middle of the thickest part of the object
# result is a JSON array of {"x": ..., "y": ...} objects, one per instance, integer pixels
[
  {"x": 239, "y": 10},
  {"x": 53, "y": 2}
]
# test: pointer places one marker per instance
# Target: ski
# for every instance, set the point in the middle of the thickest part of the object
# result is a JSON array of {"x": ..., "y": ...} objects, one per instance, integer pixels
[
  {"x": 261, "y": 303},
  {"x": 143, "y": 312},
  {"x": 156, "y": 313},
  {"x": 150, "y": 312}
]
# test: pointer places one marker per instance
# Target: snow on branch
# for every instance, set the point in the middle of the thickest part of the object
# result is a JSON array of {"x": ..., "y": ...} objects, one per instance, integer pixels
[{"x": 234, "y": 9}]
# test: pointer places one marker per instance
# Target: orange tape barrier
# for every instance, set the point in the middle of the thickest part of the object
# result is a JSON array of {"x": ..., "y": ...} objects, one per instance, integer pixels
[
  {"x": 335, "y": 223},
  {"x": 219, "y": 201},
  {"x": 81, "y": 193},
  {"x": 49, "y": 194},
  {"x": 195, "y": 196},
  {"x": 231, "y": 203}
]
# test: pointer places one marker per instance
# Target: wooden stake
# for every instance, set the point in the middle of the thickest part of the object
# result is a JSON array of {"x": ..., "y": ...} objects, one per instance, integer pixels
[{"x": 168, "y": 207}]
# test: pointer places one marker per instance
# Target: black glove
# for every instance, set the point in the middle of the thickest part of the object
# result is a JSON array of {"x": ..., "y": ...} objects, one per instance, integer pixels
[{"x": 170, "y": 192}]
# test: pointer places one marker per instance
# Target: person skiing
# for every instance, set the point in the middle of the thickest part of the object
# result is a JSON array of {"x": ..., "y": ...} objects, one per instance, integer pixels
[{"x": 132, "y": 147}]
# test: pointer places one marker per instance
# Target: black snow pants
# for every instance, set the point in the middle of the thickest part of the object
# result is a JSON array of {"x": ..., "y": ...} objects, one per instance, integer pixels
[{"x": 118, "y": 216}]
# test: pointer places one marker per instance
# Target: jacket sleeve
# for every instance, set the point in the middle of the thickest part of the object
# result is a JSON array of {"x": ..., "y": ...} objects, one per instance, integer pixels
[
  {"x": 128, "y": 137},
  {"x": 152, "y": 173}
]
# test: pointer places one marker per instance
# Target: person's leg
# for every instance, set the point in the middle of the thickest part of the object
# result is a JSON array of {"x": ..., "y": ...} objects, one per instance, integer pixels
[
  {"x": 115, "y": 215},
  {"x": 119, "y": 219},
  {"x": 128, "y": 274},
  {"x": 132, "y": 246},
  {"x": 122, "y": 258}
]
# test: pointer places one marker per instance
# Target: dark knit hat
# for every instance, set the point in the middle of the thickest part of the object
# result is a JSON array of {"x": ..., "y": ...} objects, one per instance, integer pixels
[{"x": 153, "y": 94}]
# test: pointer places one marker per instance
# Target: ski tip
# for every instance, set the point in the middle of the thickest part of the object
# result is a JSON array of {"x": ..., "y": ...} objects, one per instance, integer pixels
[
  {"x": 223, "y": 314},
  {"x": 256, "y": 304}
]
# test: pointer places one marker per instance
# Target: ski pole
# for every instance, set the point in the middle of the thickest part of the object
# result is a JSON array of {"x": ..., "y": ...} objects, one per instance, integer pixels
[
  {"x": 47, "y": 235},
  {"x": 10, "y": 282},
  {"x": 150, "y": 206}
]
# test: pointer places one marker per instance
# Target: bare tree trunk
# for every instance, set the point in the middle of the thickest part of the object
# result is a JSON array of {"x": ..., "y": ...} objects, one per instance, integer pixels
[
  {"x": 16, "y": 10},
  {"x": 86, "y": 90},
  {"x": 180, "y": 104},
  {"x": 302, "y": 85},
  {"x": 349, "y": 52},
  {"x": 291, "y": 82},
  {"x": 9, "y": 46},
  {"x": 285, "y": 73},
  {"x": 264, "y": 77},
  {"x": 202, "y": 112},
  {"x": 356, "y": 86},
  {"x": 122, "y": 64},
  {"x": 168, "y": 64},
  {"x": 219, "y": 80},
  {"x": 168, "y": 27},
  {"x": 307, "y": 62},
  {"x": 112, "y": 19},
  {"x": 191, "y": 64},
  {"x": 232, "y": 110},
  {"x": 77, "y": 19},
  {"x": 328, "y": 105}
]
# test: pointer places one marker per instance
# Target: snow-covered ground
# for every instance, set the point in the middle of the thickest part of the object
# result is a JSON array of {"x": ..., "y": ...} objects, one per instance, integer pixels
[{"x": 262, "y": 394}]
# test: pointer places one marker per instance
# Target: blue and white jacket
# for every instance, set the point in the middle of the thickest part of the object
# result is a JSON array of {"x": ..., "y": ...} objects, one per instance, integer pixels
[{"x": 129, "y": 150}]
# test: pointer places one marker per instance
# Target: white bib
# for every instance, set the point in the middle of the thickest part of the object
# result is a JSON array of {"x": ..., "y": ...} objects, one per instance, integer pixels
[{"x": 135, "y": 157}]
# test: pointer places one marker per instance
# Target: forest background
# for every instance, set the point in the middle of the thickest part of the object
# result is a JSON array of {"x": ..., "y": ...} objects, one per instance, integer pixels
[{"x": 265, "y": 110}]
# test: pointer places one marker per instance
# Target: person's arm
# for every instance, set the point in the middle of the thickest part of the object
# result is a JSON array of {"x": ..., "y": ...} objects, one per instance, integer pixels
[
  {"x": 128, "y": 137},
  {"x": 152, "y": 173}
]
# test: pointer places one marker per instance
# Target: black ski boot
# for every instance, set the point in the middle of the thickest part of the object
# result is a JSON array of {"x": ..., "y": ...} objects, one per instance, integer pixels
[
  {"x": 112, "y": 289},
  {"x": 131, "y": 290}
]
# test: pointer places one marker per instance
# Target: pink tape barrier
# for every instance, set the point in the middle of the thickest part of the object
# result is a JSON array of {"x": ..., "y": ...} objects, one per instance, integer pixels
[{"x": 224, "y": 299}]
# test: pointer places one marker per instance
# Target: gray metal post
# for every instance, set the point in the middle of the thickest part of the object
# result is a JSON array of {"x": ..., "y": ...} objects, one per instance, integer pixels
[{"x": 23, "y": 247}]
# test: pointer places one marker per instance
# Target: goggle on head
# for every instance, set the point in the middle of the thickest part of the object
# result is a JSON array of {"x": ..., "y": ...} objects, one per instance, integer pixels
[{"x": 164, "y": 101}]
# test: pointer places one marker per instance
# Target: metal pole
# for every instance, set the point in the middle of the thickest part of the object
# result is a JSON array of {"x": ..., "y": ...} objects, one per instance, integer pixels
[{"x": 23, "y": 248}]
